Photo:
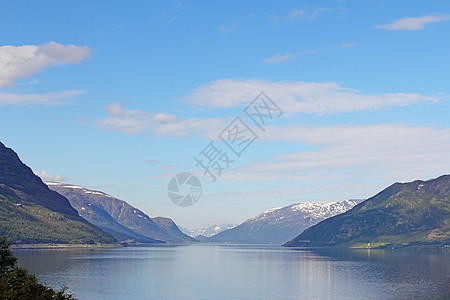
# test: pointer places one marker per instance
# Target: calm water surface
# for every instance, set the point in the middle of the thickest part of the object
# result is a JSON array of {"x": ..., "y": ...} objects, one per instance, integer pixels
[{"x": 242, "y": 272}]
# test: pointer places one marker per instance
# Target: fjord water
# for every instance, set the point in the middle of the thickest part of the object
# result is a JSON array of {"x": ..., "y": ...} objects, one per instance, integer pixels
[{"x": 242, "y": 272}]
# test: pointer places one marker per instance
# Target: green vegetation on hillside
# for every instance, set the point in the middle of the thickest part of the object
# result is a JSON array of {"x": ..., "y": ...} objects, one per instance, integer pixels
[
  {"x": 415, "y": 214},
  {"x": 31, "y": 213},
  {"x": 25, "y": 222}
]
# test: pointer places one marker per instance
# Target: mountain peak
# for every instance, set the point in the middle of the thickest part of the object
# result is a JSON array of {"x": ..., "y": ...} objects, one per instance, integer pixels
[{"x": 13, "y": 172}]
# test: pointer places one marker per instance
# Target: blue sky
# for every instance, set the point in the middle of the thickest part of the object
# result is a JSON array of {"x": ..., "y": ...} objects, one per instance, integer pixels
[{"x": 121, "y": 97}]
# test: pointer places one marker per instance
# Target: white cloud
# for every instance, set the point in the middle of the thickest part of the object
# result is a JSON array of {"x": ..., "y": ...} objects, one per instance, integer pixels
[
  {"x": 291, "y": 97},
  {"x": 163, "y": 118},
  {"x": 392, "y": 151},
  {"x": 124, "y": 120},
  {"x": 350, "y": 161},
  {"x": 18, "y": 62},
  {"x": 135, "y": 121},
  {"x": 299, "y": 96},
  {"x": 277, "y": 58},
  {"x": 208, "y": 128},
  {"x": 417, "y": 23},
  {"x": 377, "y": 153},
  {"x": 380, "y": 151},
  {"x": 47, "y": 177},
  {"x": 56, "y": 98}
]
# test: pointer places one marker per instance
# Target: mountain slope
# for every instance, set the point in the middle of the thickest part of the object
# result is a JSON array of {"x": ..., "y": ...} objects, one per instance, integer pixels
[
  {"x": 170, "y": 227},
  {"x": 414, "y": 213},
  {"x": 117, "y": 217},
  {"x": 31, "y": 213},
  {"x": 279, "y": 225}
]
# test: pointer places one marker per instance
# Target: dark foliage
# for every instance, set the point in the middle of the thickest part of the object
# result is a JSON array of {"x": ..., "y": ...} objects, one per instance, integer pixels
[{"x": 17, "y": 284}]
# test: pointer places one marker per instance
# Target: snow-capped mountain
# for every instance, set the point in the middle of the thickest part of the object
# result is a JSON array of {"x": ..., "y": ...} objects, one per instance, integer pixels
[
  {"x": 207, "y": 231},
  {"x": 123, "y": 221},
  {"x": 282, "y": 224}
]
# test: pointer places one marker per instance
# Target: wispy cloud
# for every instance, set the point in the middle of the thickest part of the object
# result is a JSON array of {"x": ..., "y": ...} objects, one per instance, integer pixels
[
  {"x": 340, "y": 155},
  {"x": 163, "y": 118},
  {"x": 347, "y": 45},
  {"x": 308, "y": 13},
  {"x": 278, "y": 58},
  {"x": 30, "y": 82},
  {"x": 124, "y": 120},
  {"x": 18, "y": 62},
  {"x": 172, "y": 13},
  {"x": 386, "y": 150},
  {"x": 226, "y": 30},
  {"x": 133, "y": 121},
  {"x": 47, "y": 177},
  {"x": 311, "y": 191},
  {"x": 300, "y": 97},
  {"x": 292, "y": 97},
  {"x": 273, "y": 19},
  {"x": 417, "y": 23},
  {"x": 208, "y": 127},
  {"x": 56, "y": 98}
]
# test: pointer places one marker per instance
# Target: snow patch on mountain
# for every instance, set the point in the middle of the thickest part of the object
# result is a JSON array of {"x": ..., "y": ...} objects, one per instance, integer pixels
[
  {"x": 207, "y": 231},
  {"x": 314, "y": 210},
  {"x": 281, "y": 224},
  {"x": 84, "y": 190}
]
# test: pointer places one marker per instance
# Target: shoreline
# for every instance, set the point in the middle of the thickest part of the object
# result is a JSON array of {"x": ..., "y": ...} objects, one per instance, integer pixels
[{"x": 64, "y": 246}]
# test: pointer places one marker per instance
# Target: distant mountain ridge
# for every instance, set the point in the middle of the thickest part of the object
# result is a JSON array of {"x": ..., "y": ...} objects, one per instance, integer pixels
[
  {"x": 207, "y": 231},
  {"x": 32, "y": 213},
  {"x": 279, "y": 225},
  {"x": 125, "y": 222},
  {"x": 402, "y": 215}
]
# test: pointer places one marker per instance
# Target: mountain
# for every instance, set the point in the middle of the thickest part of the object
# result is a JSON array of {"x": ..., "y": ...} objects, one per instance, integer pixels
[
  {"x": 123, "y": 221},
  {"x": 414, "y": 214},
  {"x": 202, "y": 238},
  {"x": 169, "y": 226},
  {"x": 207, "y": 231},
  {"x": 32, "y": 213},
  {"x": 279, "y": 225}
]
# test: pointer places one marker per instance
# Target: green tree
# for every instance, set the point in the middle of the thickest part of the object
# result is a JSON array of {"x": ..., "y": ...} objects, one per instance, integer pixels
[{"x": 17, "y": 284}]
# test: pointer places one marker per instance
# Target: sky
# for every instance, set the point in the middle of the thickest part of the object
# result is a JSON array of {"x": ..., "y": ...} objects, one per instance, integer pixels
[{"x": 122, "y": 97}]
